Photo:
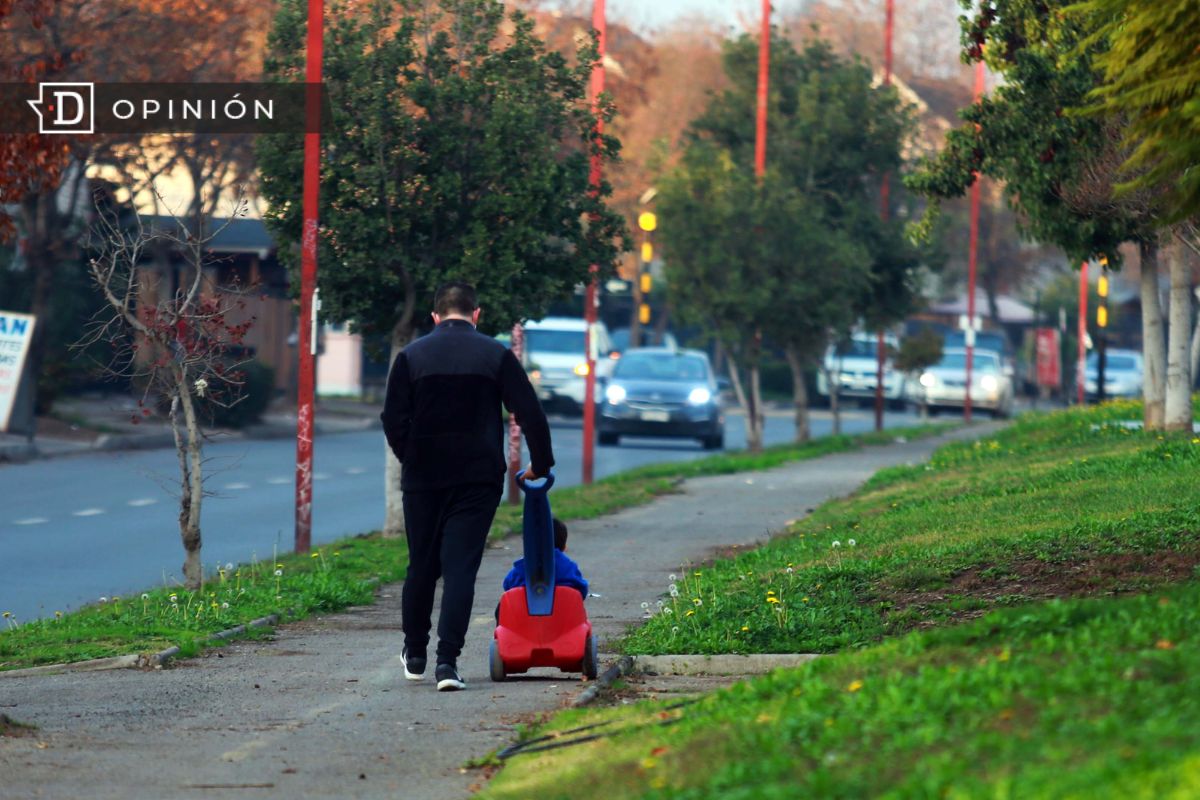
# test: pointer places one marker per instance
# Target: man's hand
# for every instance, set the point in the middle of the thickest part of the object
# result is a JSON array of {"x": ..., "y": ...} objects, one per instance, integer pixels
[{"x": 530, "y": 475}]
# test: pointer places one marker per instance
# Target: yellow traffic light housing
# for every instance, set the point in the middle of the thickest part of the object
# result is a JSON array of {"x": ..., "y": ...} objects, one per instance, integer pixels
[
  {"x": 647, "y": 282},
  {"x": 1102, "y": 316},
  {"x": 1102, "y": 286},
  {"x": 647, "y": 252},
  {"x": 644, "y": 314},
  {"x": 647, "y": 221}
]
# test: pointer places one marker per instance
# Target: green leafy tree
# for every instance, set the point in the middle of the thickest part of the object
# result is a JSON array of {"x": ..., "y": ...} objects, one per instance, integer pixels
[
  {"x": 1059, "y": 168},
  {"x": 459, "y": 151},
  {"x": 819, "y": 236},
  {"x": 1151, "y": 78}
]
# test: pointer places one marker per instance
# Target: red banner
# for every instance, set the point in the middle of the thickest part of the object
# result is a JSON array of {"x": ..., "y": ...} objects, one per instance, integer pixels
[{"x": 1049, "y": 361}]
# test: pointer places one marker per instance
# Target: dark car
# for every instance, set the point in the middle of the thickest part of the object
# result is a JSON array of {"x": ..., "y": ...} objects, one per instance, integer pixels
[{"x": 659, "y": 391}]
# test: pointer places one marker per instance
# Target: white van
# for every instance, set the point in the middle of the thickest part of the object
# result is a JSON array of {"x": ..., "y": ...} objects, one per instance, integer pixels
[{"x": 556, "y": 355}]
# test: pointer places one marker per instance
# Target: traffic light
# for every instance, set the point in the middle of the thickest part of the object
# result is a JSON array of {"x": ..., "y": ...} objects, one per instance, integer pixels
[
  {"x": 1102, "y": 316},
  {"x": 647, "y": 221},
  {"x": 1102, "y": 286},
  {"x": 644, "y": 314},
  {"x": 647, "y": 252},
  {"x": 647, "y": 283}
]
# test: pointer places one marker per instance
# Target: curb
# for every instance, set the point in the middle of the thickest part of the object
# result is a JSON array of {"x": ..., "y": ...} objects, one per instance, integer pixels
[
  {"x": 134, "y": 661},
  {"x": 623, "y": 666}
]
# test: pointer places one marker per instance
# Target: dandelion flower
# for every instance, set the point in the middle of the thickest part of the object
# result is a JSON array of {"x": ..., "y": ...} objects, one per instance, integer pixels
[
  {"x": 790, "y": 570},
  {"x": 224, "y": 605},
  {"x": 672, "y": 588},
  {"x": 804, "y": 599},
  {"x": 7, "y": 614},
  {"x": 659, "y": 603},
  {"x": 773, "y": 600},
  {"x": 645, "y": 606},
  {"x": 278, "y": 573},
  {"x": 314, "y": 555},
  {"x": 674, "y": 629},
  {"x": 229, "y": 566},
  {"x": 745, "y": 627},
  {"x": 145, "y": 596},
  {"x": 697, "y": 601},
  {"x": 674, "y": 593},
  {"x": 667, "y": 610},
  {"x": 836, "y": 543},
  {"x": 851, "y": 542},
  {"x": 58, "y": 614},
  {"x": 336, "y": 553},
  {"x": 689, "y": 613},
  {"x": 672, "y": 577},
  {"x": 854, "y": 686},
  {"x": 770, "y": 591},
  {"x": 103, "y": 599}
]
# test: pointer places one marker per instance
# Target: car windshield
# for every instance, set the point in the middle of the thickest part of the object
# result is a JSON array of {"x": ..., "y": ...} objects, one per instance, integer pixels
[
  {"x": 857, "y": 348},
  {"x": 550, "y": 341},
  {"x": 1113, "y": 362},
  {"x": 661, "y": 367},
  {"x": 984, "y": 362}
]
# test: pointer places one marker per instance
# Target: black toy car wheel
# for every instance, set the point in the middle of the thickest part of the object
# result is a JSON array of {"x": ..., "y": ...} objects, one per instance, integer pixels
[
  {"x": 591, "y": 659},
  {"x": 495, "y": 663}
]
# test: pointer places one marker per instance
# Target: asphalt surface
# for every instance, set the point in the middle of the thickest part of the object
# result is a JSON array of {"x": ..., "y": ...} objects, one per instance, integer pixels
[
  {"x": 323, "y": 711},
  {"x": 77, "y": 528}
]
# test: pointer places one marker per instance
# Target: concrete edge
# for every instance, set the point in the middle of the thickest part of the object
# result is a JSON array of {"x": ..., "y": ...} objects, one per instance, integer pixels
[
  {"x": 133, "y": 660},
  {"x": 723, "y": 664},
  {"x": 623, "y": 666}
]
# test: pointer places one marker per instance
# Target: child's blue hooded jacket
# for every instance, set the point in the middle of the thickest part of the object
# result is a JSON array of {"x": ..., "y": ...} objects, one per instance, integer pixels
[{"x": 566, "y": 573}]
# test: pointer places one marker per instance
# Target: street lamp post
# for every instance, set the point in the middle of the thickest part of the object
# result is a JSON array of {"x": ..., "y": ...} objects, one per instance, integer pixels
[{"x": 307, "y": 323}]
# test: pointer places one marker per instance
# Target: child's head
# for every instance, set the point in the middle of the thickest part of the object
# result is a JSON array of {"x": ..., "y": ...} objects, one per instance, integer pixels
[{"x": 560, "y": 535}]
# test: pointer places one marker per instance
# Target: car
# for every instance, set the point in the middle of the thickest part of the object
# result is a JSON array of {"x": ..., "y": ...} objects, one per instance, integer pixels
[
  {"x": 944, "y": 384},
  {"x": 556, "y": 356},
  {"x": 662, "y": 391},
  {"x": 854, "y": 366},
  {"x": 1123, "y": 374}
]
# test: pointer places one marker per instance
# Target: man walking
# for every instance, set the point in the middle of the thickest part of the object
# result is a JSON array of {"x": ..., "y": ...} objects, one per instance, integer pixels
[{"x": 443, "y": 420}]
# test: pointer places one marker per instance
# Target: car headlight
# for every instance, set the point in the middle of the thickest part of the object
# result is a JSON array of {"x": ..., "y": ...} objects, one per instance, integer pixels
[
  {"x": 928, "y": 380},
  {"x": 989, "y": 383},
  {"x": 581, "y": 369},
  {"x": 699, "y": 396},
  {"x": 615, "y": 393}
]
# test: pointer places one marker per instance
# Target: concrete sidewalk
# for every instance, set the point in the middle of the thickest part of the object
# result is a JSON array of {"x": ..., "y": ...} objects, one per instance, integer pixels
[{"x": 322, "y": 711}]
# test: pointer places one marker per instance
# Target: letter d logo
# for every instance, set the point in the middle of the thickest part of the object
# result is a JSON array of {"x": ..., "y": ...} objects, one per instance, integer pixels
[{"x": 65, "y": 108}]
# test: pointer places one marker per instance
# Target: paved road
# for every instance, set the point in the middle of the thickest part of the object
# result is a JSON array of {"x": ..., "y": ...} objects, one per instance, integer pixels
[
  {"x": 323, "y": 712},
  {"x": 77, "y": 528}
]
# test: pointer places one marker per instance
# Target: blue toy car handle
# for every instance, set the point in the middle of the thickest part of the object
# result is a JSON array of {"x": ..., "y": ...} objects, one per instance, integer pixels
[{"x": 539, "y": 485}]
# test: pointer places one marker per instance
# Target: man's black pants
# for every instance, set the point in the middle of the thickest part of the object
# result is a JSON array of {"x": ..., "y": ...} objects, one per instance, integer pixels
[{"x": 446, "y": 530}]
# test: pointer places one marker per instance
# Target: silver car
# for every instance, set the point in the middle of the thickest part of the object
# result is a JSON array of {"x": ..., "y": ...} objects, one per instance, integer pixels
[
  {"x": 944, "y": 385},
  {"x": 1122, "y": 374}
]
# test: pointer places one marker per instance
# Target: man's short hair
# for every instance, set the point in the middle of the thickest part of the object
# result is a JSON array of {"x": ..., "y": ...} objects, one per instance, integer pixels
[
  {"x": 560, "y": 534},
  {"x": 455, "y": 297}
]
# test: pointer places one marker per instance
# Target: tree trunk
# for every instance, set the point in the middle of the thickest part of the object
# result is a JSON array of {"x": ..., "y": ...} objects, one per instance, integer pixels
[
  {"x": 191, "y": 484},
  {"x": 1178, "y": 402},
  {"x": 833, "y": 379},
  {"x": 393, "y": 521},
  {"x": 745, "y": 396},
  {"x": 754, "y": 431},
  {"x": 1196, "y": 349},
  {"x": 1154, "y": 348},
  {"x": 799, "y": 395}
]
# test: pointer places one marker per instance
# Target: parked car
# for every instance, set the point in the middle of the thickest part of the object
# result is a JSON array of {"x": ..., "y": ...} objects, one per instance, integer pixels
[
  {"x": 660, "y": 391},
  {"x": 855, "y": 367},
  {"x": 1123, "y": 373},
  {"x": 556, "y": 355},
  {"x": 944, "y": 385}
]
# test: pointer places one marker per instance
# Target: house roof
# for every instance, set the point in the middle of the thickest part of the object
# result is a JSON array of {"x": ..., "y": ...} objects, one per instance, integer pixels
[{"x": 237, "y": 235}]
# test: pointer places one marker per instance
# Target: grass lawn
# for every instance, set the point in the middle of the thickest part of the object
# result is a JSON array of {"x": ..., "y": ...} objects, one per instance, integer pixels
[
  {"x": 1022, "y": 619},
  {"x": 343, "y": 573}
]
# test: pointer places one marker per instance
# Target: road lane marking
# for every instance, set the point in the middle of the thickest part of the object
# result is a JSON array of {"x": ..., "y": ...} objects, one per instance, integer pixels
[
  {"x": 88, "y": 512},
  {"x": 355, "y": 470},
  {"x": 237, "y": 485},
  {"x": 31, "y": 521},
  {"x": 320, "y": 476},
  {"x": 142, "y": 502},
  {"x": 278, "y": 480}
]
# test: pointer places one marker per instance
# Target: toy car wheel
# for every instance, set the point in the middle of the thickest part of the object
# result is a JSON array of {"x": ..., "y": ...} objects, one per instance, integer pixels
[
  {"x": 495, "y": 663},
  {"x": 591, "y": 659}
]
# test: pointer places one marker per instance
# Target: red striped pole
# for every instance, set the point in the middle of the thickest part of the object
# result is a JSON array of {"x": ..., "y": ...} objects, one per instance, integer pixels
[
  {"x": 885, "y": 191},
  {"x": 764, "y": 58},
  {"x": 591, "y": 301},
  {"x": 972, "y": 261},
  {"x": 307, "y": 343}
]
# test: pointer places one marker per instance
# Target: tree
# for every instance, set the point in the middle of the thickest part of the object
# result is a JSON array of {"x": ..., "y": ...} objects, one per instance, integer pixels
[
  {"x": 461, "y": 152},
  {"x": 831, "y": 135},
  {"x": 1151, "y": 78},
  {"x": 189, "y": 339},
  {"x": 1058, "y": 168}
]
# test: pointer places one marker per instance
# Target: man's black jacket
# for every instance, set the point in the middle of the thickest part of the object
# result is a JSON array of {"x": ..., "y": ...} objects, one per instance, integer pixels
[{"x": 442, "y": 415}]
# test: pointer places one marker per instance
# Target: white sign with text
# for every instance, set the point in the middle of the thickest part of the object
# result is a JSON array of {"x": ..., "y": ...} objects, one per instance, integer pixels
[{"x": 16, "y": 333}]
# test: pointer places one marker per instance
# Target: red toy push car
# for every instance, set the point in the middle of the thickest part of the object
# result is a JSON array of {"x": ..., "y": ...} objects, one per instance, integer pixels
[{"x": 562, "y": 639}]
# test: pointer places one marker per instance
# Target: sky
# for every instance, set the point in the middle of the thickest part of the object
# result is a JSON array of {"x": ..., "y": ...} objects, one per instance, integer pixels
[{"x": 648, "y": 15}]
